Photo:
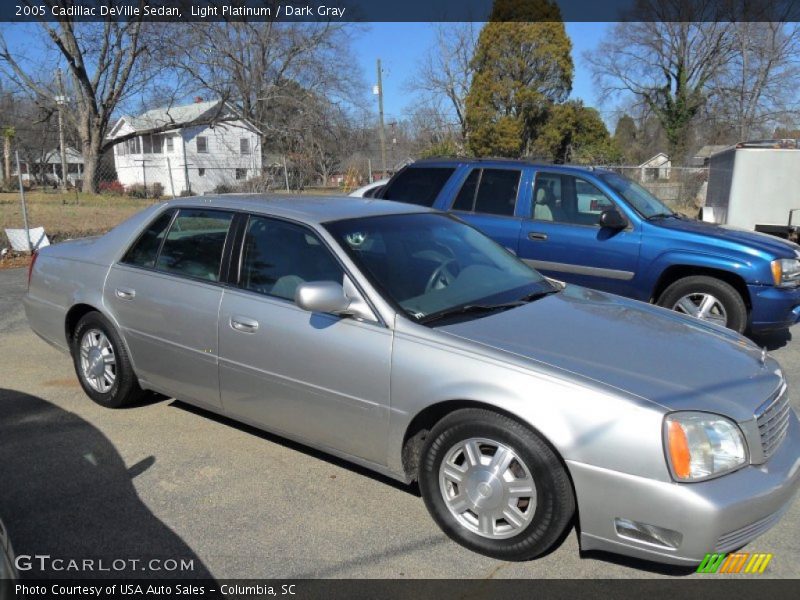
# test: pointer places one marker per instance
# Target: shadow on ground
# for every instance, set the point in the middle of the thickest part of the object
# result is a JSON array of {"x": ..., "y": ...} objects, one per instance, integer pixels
[
  {"x": 772, "y": 340},
  {"x": 412, "y": 489},
  {"x": 66, "y": 492}
]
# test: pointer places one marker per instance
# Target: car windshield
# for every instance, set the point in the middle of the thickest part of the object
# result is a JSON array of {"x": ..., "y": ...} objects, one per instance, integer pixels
[
  {"x": 432, "y": 264},
  {"x": 637, "y": 196}
]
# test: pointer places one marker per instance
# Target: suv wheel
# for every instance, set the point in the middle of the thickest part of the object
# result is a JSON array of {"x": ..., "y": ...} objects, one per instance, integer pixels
[
  {"x": 494, "y": 486},
  {"x": 707, "y": 299}
]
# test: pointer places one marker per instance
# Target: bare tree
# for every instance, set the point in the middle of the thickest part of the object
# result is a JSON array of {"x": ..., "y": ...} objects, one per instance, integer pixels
[
  {"x": 667, "y": 62},
  {"x": 106, "y": 63},
  {"x": 261, "y": 65},
  {"x": 757, "y": 86},
  {"x": 445, "y": 72}
]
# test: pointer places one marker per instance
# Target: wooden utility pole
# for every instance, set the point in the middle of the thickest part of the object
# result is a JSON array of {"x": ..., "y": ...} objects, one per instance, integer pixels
[{"x": 381, "y": 131}]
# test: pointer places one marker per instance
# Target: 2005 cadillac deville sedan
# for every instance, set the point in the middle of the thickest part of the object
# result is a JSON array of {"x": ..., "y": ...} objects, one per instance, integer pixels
[{"x": 408, "y": 342}]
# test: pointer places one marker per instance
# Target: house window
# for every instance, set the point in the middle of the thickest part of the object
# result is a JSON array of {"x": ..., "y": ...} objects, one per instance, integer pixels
[
  {"x": 170, "y": 143},
  {"x": 133, "y": 146},
  {"x": 202, "y": 143},
  {"x": 241, "y": 173},
  {"x": 152, "y": 144},
  {"x": 244, "y": 146},
  {"x": 201, "y": 172}
]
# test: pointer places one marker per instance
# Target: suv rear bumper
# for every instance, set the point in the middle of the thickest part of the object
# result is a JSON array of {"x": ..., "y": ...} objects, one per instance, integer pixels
[
  {"x": 719, "y": 515},
  {"x": 773, "y": 308}
]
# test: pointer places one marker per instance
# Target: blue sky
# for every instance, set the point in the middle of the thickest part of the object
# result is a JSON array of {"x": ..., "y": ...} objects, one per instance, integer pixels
[{"x": 401, "y": 45}]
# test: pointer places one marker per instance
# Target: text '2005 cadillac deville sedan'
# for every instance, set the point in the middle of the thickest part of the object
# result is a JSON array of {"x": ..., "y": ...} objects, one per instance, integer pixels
[{"x": 406, "y": 341}]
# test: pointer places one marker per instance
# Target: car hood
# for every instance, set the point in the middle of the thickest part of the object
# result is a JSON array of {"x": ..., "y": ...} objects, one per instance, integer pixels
[
  {"x": 769, "y": 244},
  {"x": 667, "y": 358}
]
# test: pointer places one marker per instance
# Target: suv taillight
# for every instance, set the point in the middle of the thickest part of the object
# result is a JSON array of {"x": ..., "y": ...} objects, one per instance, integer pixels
[{"x": 34, "y": 256}]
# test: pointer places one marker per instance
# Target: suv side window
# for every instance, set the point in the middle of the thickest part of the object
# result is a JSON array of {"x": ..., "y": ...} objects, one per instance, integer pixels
[
  {"x": 489, "y": 191},
  {"x": 143, "y": 253},
  {"x": 278, "y": 256},
  {"x": 194, "y": 243},
  {"x": 568, "y": 199},
  {"x": 418, "y": 185}
]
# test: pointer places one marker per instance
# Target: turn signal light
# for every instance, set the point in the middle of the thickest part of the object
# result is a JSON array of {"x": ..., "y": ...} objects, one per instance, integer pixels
[{"x": 679, "y": 451}]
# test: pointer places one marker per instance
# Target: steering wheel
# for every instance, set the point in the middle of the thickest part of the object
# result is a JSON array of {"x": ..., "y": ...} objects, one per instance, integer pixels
[{"x": 442, "y": 276}]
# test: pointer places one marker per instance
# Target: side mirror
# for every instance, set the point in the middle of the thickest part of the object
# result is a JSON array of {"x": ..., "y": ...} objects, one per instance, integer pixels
[
  {"x": 612, "y": 219},
  {"x": 331, "y": 297},
  {"x": 321, "y": 296}
]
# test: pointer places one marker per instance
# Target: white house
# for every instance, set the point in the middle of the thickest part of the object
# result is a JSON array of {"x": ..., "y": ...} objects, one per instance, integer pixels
[
  {"x": 208, "y": 147},
  {"x": 656, "y": 167},
  {"x": 47, "y": 169}
]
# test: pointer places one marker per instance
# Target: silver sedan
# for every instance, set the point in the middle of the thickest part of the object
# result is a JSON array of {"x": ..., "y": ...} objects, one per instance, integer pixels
[{"x": 406, "y": 341}]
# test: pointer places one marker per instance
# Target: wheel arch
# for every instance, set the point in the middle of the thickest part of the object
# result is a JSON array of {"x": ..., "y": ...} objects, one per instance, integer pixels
[
  {"x": 73, "y": 316},
  {"x": 673, "y": 273},
  {"x": 78, "y": 310},
  {"x": 428, "y": 417}
]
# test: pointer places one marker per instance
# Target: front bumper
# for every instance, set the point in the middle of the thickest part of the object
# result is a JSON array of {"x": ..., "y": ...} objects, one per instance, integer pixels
[
  {"x": 719, "y": 515},
  {"x": 773, "y": 308}
]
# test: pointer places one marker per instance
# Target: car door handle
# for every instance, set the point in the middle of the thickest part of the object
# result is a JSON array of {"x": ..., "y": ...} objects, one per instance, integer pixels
[
  {"x": 244, "y": 324},
  {"x": 125, "y": 293},
  {"x": 537, "y": 236}
]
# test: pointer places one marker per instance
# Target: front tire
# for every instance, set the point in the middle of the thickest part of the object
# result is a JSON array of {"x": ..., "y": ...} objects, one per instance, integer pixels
[
  {"x": 708, "y": 299},
  {"x": 102, "y": 364},
  {"x": 494, "y": 486}
]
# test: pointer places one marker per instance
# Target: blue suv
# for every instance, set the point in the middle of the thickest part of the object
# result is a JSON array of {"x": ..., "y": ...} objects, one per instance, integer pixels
[{"x": 597, "y": 229}]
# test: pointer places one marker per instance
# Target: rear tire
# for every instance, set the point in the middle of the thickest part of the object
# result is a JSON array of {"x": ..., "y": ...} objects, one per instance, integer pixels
[
  {"x": 513, "y": 503},
  {"x": 102, "y": 364},
  {"x": 708, "y": 299}
]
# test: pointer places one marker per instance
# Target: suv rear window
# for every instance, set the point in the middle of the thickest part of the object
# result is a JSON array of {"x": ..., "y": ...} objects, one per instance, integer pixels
[
  {"x": 418, "y": 185},
  {"x": 489, "y": 191}
]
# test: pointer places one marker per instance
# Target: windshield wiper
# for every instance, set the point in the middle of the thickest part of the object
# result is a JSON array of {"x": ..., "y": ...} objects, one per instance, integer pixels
[
  {"x": 485, "y": 308},
  {"x": 659, "y": 216},
  {"x": 470, "y": 308},
  {"x": 537, "y": 295}
]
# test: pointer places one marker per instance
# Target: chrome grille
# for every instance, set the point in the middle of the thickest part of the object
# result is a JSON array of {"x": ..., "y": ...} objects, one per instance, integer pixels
[{"x": 773, "y": 421}]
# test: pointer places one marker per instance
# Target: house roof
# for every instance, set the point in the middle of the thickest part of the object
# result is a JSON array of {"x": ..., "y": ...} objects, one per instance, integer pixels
[
  {"x": 659, "y": 160},
  {"x": 177, "y": 115},
  {"x": 53, "y": 157}
]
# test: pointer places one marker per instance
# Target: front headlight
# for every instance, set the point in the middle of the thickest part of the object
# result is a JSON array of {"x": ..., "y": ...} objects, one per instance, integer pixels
[
  {"x": 786, "y": 272},
  {"x": 701, "y": 445}
]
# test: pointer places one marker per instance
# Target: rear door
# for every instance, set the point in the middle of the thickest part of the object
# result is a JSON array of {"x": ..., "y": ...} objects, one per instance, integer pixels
[
  {"x": 562, "y": 237},
  {"x": 165, "y": 295},
  {"x": 487, "y": 199},
  {"x": 317, "y": 377}
]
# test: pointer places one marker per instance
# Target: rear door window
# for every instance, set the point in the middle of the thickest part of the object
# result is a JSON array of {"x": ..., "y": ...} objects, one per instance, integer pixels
[
  {"x": 418, "y": 185},
  {"x": 194, "y": 244},
  {"x": 489, "y": 191}
]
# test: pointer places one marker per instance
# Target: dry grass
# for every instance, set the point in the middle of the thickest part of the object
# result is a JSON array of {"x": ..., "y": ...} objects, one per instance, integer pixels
[{"x": 67, "y": 215}]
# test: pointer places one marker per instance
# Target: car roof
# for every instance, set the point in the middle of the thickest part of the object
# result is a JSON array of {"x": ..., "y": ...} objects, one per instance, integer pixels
[
  {"x": 450, "y": 161},
  {"x": 310, "y": 209}
]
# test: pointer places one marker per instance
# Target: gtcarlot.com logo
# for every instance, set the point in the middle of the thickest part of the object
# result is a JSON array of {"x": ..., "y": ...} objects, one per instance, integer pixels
[
  {"x": 45, "y": 562},
  {"x": 735, "y": 562}
]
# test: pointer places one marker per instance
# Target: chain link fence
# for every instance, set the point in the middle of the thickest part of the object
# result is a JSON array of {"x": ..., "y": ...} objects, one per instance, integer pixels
[{"x": 681, "y": 188}]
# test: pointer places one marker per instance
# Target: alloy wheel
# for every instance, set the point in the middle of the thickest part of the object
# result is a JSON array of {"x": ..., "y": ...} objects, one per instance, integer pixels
[
  {"x": 488, "y": 488},
  {"x": 704, "y": 307},
  {"x": 98, "y": 361}
]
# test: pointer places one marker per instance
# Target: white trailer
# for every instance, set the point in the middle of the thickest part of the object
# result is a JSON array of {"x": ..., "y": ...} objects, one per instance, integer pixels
[{"x": 756, "y": 186}]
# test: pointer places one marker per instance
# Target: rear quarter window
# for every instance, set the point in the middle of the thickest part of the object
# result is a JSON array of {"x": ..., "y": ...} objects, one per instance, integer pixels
[
  {"x": 418, "y": 185},
  {"x": 143, "y": 253}
]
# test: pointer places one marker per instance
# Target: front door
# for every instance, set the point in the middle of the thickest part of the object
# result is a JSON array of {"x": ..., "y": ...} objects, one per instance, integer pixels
[
  {"x": 563, "y": 238},
  {"x": 317, "y": 377}
]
